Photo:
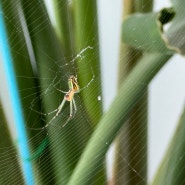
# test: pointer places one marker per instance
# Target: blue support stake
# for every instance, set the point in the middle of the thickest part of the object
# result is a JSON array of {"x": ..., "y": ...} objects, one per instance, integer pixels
[{"x": 23, "y": 147}]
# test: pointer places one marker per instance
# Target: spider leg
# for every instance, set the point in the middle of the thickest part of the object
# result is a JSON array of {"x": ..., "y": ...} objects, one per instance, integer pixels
[
  {"x": 71, "y": 113},
  {"x": 61, "y": 91},
  {"x": 59, "y": 109},
  {"x": 45, "y": 114},
  {"x": 75, "y": 108},
  {"x": 71, "y": 108}
]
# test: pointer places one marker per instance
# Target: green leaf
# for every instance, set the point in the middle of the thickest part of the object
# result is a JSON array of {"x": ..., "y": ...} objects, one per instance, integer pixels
[
  {"x": 64, "y": 26},
  {"x": 171, "y": 170},
  {"x": 144, "y": 31},
  {"x": 86, "y": 35},
  {"x": 176, "y": 33},
  {"x": 49, "y": 58},
  {"x": 8, "y": 160},
  {"x": 26, "y": 80}
]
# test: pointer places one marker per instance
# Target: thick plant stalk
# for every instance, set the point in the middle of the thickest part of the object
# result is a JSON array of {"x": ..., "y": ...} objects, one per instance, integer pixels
[
  {"x": 64, "y": 26},
  {"x": 17, "y": 64},
  {"x": 130, "y": 164},
  {"x": 11, "y": 161},
  {"x": 86, "y": 35},
  {"x": 48, "y": 55},
  {"x": 171, "y": 171}
]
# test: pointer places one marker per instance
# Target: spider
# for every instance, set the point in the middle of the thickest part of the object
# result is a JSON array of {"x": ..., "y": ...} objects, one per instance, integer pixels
[{"x": 69, "y": 96}]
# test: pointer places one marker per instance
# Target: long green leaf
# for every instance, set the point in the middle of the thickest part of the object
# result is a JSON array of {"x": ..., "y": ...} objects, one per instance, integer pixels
[
  {"x": 86, "y": 35},
  {"x": 65, "y": 26},
  {"x": 48, "y": 56},
  {"x": 171, "y": 170},
  {"x": 144, "y": 31},
  {"x": 11, "y": 161},
  {"x": 21, "y": 61},
  {"x": 173, "y": 35}
]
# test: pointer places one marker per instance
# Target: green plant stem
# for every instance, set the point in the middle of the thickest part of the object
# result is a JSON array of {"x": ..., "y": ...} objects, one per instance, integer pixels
[
  {"x": 131, "y": 89},
  {"x": 86, "y": 34},
  {"x": 23, "y": 68},
  {"x": 131, "y": 6},
  {"x": 49, "y": 57},
  {"x": 21, "y": 59},
  {"x": 131, "y": 142},
  {"x": 171, "y": 170},
  {"x": 64, "y": 26},
  {"x": 8, "y": 161}
]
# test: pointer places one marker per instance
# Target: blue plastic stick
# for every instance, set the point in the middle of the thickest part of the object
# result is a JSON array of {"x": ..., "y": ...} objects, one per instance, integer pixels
[{"x": 16, "y": 105}]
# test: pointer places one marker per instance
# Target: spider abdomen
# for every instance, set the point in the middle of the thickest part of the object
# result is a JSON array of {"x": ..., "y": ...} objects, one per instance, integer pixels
[{"x": 69, "y": 95}]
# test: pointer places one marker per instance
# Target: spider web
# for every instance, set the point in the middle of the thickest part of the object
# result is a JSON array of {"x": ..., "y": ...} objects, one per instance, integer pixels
[
  {"x": 54, "y": 151},
  {"x": 40, "y": 138}
]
